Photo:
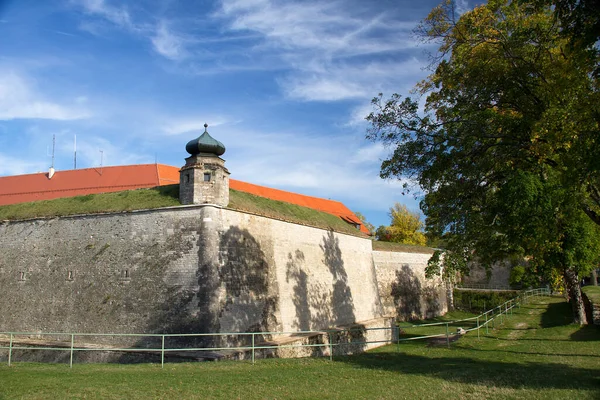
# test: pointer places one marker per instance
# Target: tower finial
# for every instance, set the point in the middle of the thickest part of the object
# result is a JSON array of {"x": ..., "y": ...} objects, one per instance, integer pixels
[{"x": 205, "y": 127}]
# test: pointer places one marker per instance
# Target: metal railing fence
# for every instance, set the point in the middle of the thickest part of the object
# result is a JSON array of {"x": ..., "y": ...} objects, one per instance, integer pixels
[
  {"x": 478, "y": 322},
  {"x": 322, "y": 342}
]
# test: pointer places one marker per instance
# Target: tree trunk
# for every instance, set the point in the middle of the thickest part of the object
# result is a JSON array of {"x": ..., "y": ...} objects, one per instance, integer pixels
[
  {"x": 450, "y": 296},
  {"x": 595, "y": 277},
  {"x": 575, "y": 297}
]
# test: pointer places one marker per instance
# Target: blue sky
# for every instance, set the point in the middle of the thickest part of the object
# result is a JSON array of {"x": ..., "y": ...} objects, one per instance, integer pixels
[{"x": 285, "y": 85}]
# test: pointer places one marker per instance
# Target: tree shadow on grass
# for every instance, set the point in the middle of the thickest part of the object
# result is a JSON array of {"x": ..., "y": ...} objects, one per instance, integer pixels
[
  {"x": 529, "y": 375},
  {"x": 586, "y": 333},
  {"x": 556, "y": 314}
]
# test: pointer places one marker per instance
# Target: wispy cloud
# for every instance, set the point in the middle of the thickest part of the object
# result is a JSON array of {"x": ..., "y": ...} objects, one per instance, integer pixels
[
  {"x": 177, "y": 126},
  {"x": 333, "y": 51},
  {"x": 20, "y": 100},
  {"x": 117, "y": 15},
  {"x": 168, "y": 44},
  {"x": 164, "y": 40}
]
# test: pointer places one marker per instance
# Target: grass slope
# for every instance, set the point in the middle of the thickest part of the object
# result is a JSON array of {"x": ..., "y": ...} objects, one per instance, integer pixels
[
  {"x": 593, "y": 293},
  {"x": 168, "y": 196},
  {"x": 536, "y": 354}
]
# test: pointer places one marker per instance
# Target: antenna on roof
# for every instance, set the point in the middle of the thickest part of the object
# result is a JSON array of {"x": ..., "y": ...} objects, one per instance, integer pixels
[
  {"x": 74, "y": 151},
  {"x": 101, "y": 160},
  {"x": 53, "y": 147},
  {"x": 51, "y": 171}
]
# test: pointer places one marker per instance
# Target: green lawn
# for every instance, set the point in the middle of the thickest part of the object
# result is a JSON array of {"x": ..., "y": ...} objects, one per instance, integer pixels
[{"x": 536, "y": 354}]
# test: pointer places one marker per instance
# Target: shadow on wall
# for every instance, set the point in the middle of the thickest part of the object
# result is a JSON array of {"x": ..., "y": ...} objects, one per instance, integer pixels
[
  {"x": 319, "y": 306},
  {"x": 295, "y": 270},
  {"x": 250, "y": 303},
  {"x": 411, "y": 299},
  {"x": 342, "y": 301},
  {"x": 232, "y": 295}
]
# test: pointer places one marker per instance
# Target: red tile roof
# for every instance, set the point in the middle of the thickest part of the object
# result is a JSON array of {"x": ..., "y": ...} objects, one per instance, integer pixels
[{"x": 34, "y": 187}]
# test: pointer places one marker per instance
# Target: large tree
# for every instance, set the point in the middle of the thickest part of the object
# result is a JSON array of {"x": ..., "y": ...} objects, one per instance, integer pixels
[{"x": 511, "y": 103}]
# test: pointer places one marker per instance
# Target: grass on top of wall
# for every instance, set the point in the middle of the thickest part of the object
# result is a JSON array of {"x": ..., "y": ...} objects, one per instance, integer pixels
[
  {"x": 400, "y": 247},
  {"x": 129, "y": 200},
  {"x": 168, "y": 196},
  {"x": 288, "y": 212}
]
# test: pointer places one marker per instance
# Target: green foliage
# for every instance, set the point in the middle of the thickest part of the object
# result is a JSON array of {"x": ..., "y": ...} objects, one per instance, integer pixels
[
  {"x": 521, "y": 276},
  {"x": 507, "y": 151},
  {"x": 405, "y": 227},
  {"x": 474, "y": 301}
]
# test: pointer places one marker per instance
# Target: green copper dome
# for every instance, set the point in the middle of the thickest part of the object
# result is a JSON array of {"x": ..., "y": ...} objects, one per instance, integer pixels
[{"x": 205, "y": 144}]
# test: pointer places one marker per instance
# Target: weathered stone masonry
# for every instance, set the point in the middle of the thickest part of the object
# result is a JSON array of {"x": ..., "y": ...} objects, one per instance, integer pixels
[{"x": 199, "y": 269}]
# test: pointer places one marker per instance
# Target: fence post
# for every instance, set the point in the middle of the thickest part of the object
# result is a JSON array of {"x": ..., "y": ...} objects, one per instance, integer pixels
[
  {"x": 252, "y": 348},
  {"x": 447, "y": 336},
  {"x": 162, "y": 352},
  {"x": 71, "y": 358},
  {"x": 478, "y": 327},
  {"x": 10, "y": 349},
  {"x": 486, "y": 324},
  {"x": 330, "y": 347}
]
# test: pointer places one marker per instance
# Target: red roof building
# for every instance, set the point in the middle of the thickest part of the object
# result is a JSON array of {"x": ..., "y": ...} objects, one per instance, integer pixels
[{"x": 79, "y": 182}]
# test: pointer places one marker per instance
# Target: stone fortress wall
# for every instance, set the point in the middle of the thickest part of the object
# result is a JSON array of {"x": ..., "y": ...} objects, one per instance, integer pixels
[{"x": 194, "y": 269}]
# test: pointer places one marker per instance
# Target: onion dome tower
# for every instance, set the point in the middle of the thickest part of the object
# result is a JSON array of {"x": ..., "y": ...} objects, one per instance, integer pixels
[{"x": 204, "y": 179}]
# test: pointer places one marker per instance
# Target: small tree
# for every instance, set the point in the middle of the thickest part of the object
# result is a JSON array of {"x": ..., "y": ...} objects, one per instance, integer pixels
[{"x": 406, "y": 227}]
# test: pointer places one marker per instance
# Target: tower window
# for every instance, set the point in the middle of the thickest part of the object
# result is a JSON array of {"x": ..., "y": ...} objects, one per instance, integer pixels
[
  {"x": 207, "y": 177},
  {"x": 187, "y": 178}
]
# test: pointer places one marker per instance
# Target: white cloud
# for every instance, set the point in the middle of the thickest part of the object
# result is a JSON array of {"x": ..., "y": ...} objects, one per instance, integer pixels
[
  {"x": 351, "y": 81},
  {"x": 359, "y": 113},
  {"x": 164, "y": 40},
  {"x": 168, "y": 44},
  {"x": 330, "y": 26},
  {"x": 117, "y": 15},
  {"x": 176, "y": 126},
  {"x": 20, "y": 100},
  {"x": 322, "y": 88},
  {"x": 340, "y": 168},
  {"x": 16, "y": 166}
]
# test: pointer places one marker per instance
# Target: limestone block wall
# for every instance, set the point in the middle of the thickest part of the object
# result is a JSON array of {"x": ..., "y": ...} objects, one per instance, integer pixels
[
  {"x": 196, "y": 269},
  {"x": 125, "y": 273},
  {"x": 404, "y": 291},
  {"x": 182, "y": 270},
  {"x": 321, "y": 278}
]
